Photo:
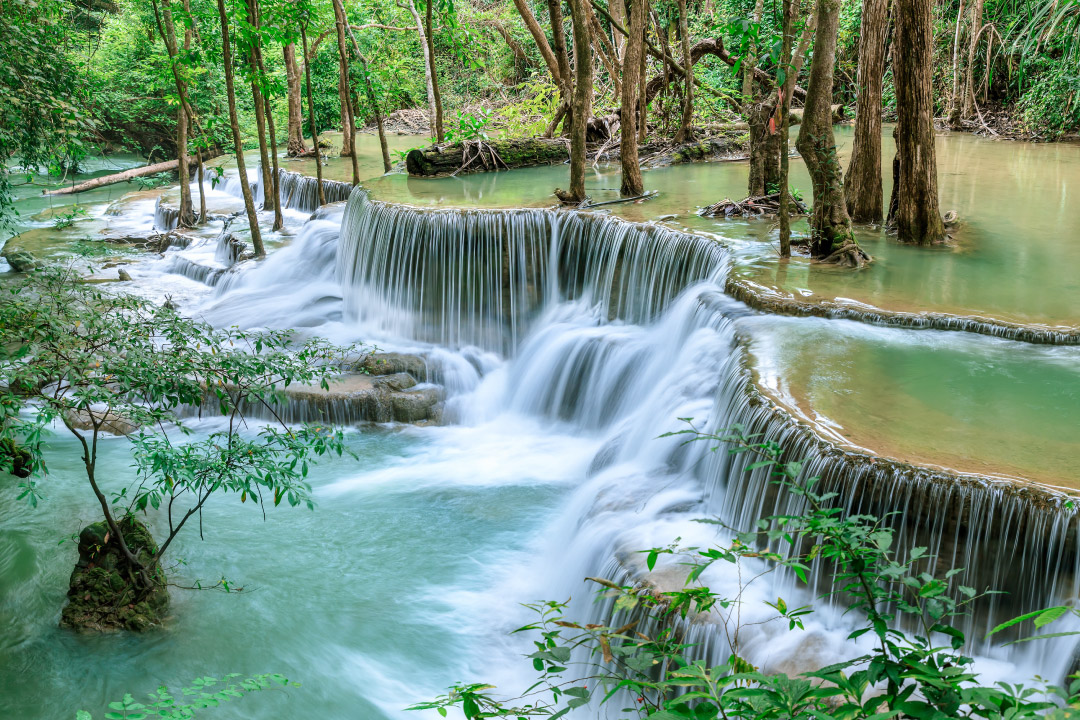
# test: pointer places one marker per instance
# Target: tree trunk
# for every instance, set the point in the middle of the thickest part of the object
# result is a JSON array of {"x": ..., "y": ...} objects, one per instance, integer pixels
[
  {"x": 296, "y": 145},
  {"x": 273, "y": 188},
  {"x": 791, "y": 14},
  {"x": 831, "y": 236},
  {"x": 267, "y": 180},
  {"x": 348, "y": 118},
  {"x": 311, "y": 117},
  {"x": 370, "y": 91},
  {"x": 439, "y": 135},
  {"x": 579, "y": 115},
  {"x": 954, "y": 96},
  {"x": 234, "y": 123},
  {"x": 862, "y": 185},
  {"x": 618, "y": 14},
  {"x": 540, "y": 39},
  {"x": 685, "y": 126},
  {"x": 168, "y": 32},
  {"x": 917, "y": 218},
  {"x": 969, "y": 84},
  {"x": 167, "y": 166},
  {"x": 642, "y": 104},
  {"x": 607, "y": 53},
  {"x": 632, "y": 183},
  {"x": 429, "y": 67}
]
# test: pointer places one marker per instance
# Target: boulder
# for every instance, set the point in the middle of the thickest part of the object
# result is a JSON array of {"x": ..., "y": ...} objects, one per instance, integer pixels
[
  {"x": 21, "y": 261},
  {"x": 16, "y": 457},
  {"x": 394, "y": 363},
  {"x": 104, "y": 593}
]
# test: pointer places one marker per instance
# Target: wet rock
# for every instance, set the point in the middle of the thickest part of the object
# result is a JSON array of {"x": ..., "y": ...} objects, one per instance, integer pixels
[
  {"x": 397, "y": 381},
  {"x": 21, "y": 261},
  {"x": 124, "y": 275},
  {"x": 109, "y": 422},
  {"x": 416, "y": 405},
  {"x": 104, "y": 593},
  {"x": 16, "y": 457},
  {"x": 394, "y": 363}
]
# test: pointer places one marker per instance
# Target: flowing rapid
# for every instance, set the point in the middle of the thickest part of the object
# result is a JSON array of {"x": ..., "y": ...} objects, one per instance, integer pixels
[{"x": 584, "y": 326}]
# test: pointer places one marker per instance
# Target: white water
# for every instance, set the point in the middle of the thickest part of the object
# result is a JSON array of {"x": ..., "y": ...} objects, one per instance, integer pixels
[{"x": 570, "y": 345}]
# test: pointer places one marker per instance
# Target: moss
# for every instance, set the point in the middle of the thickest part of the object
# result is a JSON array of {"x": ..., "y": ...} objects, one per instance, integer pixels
[
  {"x": 19, "y": 458},
  {"x": 104, "y": 591}
]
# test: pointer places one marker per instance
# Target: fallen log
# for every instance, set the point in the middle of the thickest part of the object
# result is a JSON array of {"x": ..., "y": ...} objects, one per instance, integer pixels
[
  {"x": 839, "y": 114},
  {"x": 482, "y": 155},
  {"x": 168, "y": 166},
  {"x": 754, "y": 206}
]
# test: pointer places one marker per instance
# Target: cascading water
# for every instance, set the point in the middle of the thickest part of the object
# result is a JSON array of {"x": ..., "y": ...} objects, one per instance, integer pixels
[{"x": 616, "y": 331}]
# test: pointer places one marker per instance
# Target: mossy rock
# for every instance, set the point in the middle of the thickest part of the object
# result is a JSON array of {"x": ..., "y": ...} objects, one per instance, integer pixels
[
  {"x": 21, "y": 261},
  {"x": 15, "y": 457},
  {"x": 103, "y": 593}
]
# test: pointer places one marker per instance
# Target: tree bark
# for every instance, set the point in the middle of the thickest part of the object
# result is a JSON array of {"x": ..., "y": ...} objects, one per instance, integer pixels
[
  {"x": 830, "y": 225},
  {"x": 685, "y": 126},
  {"x": 430, "y": 39},
  {"x": 791, "y": 13},
  {"x": 311, "y": 117},
  {"x": 429, "y": 68},
  {"x": 295, "y": 147},
  {"x": 267, "y": 180},
  {"x": 168, "y": 33},
  {"x": 167, "y": 166},
  {"x": 917, "y": 218},
  {"x": 953, "y": 114},
  {"x": 969, "y": 81},
  {"x": 618, "y": 14},
  {"x": 348, "y": 119},
  {"x": 579, "y": 115},
  {"x": 273, "y": 188},
  {"x": 632, "y": 183},
  {"x": 369, "y": 91},
  {"x": 238, "y": 142},
  {"x": 862, "y": 184},
  {"x": 540, "y": 39}
]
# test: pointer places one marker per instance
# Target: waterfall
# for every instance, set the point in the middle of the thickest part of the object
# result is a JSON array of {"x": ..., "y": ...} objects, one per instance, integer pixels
[
  {"x": 617, "y": 330},
  {"x": 481, "y": 277},
  {"x": 298, "y": 192},
  {"x": 166, "y": 217}
]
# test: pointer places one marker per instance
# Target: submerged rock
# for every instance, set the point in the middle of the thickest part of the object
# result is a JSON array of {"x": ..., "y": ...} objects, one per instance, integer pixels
[
  {"x": 393, "y": 363},
  {"x": 17, "y": 456},
  {"x": 21, "y": 261},
  {"x": 103, "y": 592}
]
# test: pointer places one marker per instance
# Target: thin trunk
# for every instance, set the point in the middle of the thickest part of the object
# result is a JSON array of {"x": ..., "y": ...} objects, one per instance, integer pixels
[
  {"x": 665, "y": 73},
  {"x": 750, "y": 61},
  {"x": 238, "y": 142},
  {"x": 274, "y": 187},
  {"x": 618, "y": 14},
  {"x": 759, "y": 107},
  {"x": 429, "y": 68},
  {"x": 582, "y": 90},
  {"x": 969, "y": 82},
  {"x": 439, "y": 135},
  {"x": 607, "y": 53},
  {"x": 685, "y": 126},
  {"x": 369, "y": 91},
  {"x": 791, "y": 13},
  {"x": 202, "y": 189},
  {"x": 632, "y": 183},
  {"x": 267, "y": 181},
  {"x": 348, "y": 118},
  {"x": 917, "y": 218},
  {"x": 168, "y": 33},
  {"x": 189, "y": 30},
  {"x": 830, "y": 225},
  {"x": 558, "y": 45},
  {"x": 642, "y": 98},
  {"x": 954, "y": 96},
  {"x": 296, "y": 145},
  {"x": 540, "y": 39},
  {"x": 311, "y": 117},
  {"x": 862, "y": 184}
]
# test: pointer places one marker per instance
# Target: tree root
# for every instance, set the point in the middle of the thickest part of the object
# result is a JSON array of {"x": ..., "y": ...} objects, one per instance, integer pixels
[
  {"x": 848, "y": 255},
  {"x": 754, "y": 206}
]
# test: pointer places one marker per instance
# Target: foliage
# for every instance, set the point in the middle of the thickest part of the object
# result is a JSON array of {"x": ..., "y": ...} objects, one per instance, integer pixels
[
  {"x": 469, "y": 126},
  {"x": 95, "y": 363},
  {"x": 924, "y": 672},
  {"x": 1051, "y": 105},
  {"x": 204, "y": 692},
  {"x": 67, "y": 219}
]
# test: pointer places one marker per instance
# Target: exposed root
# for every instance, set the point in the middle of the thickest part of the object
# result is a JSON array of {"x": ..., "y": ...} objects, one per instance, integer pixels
[
  {"x": 848, "y": 255},
  {"x": 478, "y": 150},
  {"x": 755, "y": 206}
]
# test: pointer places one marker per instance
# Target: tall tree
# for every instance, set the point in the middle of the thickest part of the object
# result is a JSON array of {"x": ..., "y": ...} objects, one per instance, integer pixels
[
  {"x": 311, "y": 114},
  {"x": 831, "y": 236},
  {"x": 687, "y": 119},
  {"x": 265, "y": 170},
  {"x": 348, "y": 120},
  {"x": 976, "y": 33},
  {"x": 431, "y": 80},
  {"x": 862, "y": 184},
  {"x": 274, "y": 188},
  {"x": 369, "y": 90},
  {"x": 579, "y": 116},
  {"x": 632, "y": 184},
  {"x": 234, "y": 125},
  {"x": 914, "y": 210},
  {"x": 167, "y": 29},
  {"x": 295, "y": 147},
  {"x": 791, "y": 14},
  {"x": 429, "y": 34}
]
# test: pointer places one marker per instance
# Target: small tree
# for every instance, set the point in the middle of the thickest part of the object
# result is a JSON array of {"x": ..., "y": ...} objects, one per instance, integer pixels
[{"x": 94, "y": 363}]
